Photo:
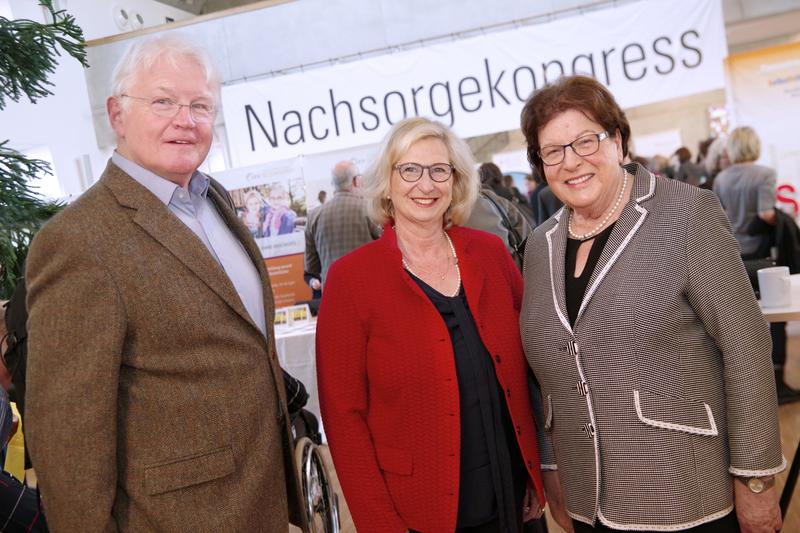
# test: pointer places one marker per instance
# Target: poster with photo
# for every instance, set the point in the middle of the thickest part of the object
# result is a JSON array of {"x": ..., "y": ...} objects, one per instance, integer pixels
[{"x": 270, "y": 200}]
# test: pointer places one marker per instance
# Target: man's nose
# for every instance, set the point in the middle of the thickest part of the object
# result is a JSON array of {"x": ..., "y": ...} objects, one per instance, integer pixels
[{"x": 184, "y": 117}]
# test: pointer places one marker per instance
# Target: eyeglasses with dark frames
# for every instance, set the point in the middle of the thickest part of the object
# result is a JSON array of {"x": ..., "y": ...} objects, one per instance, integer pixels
[
  {"x": 585, "y": 145},
  {"x": 411, "y": 172},
  {"x": 201, "y": 112}
]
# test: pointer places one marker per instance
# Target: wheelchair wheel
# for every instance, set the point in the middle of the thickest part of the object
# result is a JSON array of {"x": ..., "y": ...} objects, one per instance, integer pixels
[{"x": 319, "y": 500}]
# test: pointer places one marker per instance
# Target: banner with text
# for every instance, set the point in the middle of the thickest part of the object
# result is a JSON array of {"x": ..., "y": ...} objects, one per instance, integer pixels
[{"x": 644, "y": 52}]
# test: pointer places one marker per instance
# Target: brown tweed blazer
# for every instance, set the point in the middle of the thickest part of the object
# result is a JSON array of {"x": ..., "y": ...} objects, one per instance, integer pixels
[
  {"x": 154, "y": 402},
  {"x": 664, "y": 386}
]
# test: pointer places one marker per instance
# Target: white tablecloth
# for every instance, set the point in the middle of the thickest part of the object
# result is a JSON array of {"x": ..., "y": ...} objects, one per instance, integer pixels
[{"x": 297, "y": 356}]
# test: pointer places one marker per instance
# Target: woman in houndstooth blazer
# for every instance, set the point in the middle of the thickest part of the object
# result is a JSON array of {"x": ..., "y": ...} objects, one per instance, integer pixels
[{"x": 648, "y": 343}]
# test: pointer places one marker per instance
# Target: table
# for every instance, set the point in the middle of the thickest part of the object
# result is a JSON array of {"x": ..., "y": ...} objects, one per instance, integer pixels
[
  {"x": 297, "y": 355},
  {"x": 789, "y": 313}
]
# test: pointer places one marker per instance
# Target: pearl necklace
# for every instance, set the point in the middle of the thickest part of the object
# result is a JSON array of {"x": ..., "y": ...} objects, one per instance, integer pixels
[
  {"x": 596, "y": 230},
  {"x": 446, "y": 270}
]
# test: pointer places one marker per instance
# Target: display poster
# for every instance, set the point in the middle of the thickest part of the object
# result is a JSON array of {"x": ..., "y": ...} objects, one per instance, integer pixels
[
  {"x": 645, "y": 52},
  {"x": 270, "y": 199},
  {"x": 764, "y": 92}
]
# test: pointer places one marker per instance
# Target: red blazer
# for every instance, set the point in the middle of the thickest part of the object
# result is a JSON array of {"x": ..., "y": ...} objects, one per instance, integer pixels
[{"x": 387, "y": 380}]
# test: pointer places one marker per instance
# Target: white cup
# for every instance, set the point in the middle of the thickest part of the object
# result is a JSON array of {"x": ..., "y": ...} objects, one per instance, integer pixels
[{"x": 775, "y": 287}]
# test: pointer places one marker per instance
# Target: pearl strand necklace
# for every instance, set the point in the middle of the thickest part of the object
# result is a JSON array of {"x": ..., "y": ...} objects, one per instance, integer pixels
[
  {"x": 455, "y": 260},
  {"x": 596, "y": 230}
]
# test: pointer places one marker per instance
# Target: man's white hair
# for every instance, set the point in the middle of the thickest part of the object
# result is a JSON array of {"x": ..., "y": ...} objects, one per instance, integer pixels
[
  {"x": 175, "y": 48},
  {"x": 342, "y": 175}
]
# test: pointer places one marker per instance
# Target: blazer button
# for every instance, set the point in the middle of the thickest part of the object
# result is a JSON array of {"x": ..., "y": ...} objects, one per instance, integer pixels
[
  {"x": 530, "y": 465},
  {"x": 508, "y": 393},
  {"x": 518, "y": 430},
  {"x": 497, "y": 357}
]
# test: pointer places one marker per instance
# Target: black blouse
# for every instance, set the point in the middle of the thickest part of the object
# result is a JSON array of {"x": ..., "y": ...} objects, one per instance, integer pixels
[
  {"x": 492, "y": 473},
  {"x": 576, "y": 287}
]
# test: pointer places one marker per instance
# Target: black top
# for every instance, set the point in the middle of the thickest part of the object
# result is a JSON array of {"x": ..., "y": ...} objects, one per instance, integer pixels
[
  {"x": 492, "y": 474},
  {"x": 576, "y": 287}
]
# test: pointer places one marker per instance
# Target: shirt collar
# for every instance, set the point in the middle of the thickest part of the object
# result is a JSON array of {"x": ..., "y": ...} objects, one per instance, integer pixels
[{"x": 162, "y": 188}]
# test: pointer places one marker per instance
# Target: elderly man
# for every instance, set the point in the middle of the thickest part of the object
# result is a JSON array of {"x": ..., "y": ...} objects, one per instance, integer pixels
[
  {"x": 155, "y": 399},
  {"x": 337, "y": 227}
]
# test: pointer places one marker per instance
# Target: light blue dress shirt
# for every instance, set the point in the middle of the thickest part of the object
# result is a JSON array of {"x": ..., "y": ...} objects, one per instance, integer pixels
[{"x": 194, "y": 208}]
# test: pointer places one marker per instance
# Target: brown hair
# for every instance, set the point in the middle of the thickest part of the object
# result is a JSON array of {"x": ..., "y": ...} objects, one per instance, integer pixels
[{"x": 583, "y": 93}]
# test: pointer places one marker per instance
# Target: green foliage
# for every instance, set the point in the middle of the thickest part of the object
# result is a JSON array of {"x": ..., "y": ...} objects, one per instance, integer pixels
[
  {"x": 28, "y": 55},
  {"x": 30, "y": 51}
]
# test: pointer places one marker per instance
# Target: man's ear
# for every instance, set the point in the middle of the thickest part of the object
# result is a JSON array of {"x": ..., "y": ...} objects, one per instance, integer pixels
[{"x": 115, "y": 112}]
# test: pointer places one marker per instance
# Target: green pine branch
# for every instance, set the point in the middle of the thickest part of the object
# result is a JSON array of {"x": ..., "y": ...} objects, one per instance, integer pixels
[{"x": 29, "y": 53}]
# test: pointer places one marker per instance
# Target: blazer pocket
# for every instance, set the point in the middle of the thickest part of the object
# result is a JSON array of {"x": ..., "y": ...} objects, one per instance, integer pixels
[
  {"x": 395, "y": 460},
  {"x": 188, "y": 471},
  {"x": 548, "y": 413},
  {"x": 677, "y": 414}
]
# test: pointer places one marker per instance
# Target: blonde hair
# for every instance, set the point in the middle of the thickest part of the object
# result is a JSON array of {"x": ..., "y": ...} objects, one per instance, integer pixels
[
  {"x": 743, "y": 145},
  {"x": 398, "y": 142}
]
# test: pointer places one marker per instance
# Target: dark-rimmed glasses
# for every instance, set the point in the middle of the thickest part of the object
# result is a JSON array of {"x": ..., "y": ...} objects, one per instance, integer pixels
[
  {"x": 201, "y": 112},
  {"x": 553, "y": 154},
  {"x": 438, "y": 172}
]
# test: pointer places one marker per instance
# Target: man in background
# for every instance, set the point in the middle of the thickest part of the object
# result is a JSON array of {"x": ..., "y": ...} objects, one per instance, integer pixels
[
  {"x": 155, "y": 400},
  {"x": 337, "y": 227}
]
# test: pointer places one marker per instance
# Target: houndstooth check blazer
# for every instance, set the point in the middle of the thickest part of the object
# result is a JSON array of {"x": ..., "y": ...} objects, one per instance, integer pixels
[{"x": 664, "y": 386}]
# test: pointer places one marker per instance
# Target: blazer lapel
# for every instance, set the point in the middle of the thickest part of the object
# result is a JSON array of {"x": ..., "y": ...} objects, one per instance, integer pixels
[
  {"x": 557, "y": 250},
  {"x": 628, "y": 223},
  {"x": 157, "y": 220}
]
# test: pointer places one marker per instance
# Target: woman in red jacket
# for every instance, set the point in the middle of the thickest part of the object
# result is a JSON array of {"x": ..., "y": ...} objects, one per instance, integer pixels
[{"x": 422, "y": 379}]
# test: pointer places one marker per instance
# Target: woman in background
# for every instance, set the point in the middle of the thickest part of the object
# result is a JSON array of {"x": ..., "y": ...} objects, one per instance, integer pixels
[{"x": 747, "y": 192}]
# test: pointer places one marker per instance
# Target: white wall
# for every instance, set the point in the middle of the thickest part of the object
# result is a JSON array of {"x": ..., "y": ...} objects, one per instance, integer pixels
[
  {"x": 62, "y": 122},
  {"x": 100, "y": 19},
  {"x": 5, "y": 9}
]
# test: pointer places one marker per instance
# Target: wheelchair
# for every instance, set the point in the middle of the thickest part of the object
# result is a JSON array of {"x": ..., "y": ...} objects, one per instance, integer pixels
[{"x": 320, "y": 502}]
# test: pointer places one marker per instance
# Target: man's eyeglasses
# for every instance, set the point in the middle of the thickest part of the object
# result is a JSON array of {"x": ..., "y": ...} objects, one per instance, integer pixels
[
  {"x": 201, "y": 112},
  {"x": 439, "y": 172},
  {"x": 553, "y": 154}
]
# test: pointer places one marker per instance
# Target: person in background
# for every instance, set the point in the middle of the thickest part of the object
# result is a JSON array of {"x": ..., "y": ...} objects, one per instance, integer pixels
[
  {"x": 20, "y": 506},
  {"x": 254, "y": 213},
  {"x": 501, "y": 217},
  {"x": 533, "y": 196},
  {"x": 422, "y": 382},
  {"x": 508, "y": 183},
  {"x": 689, "y": 172},
  {"x": 338, "y": 227},
  {"x": 548, "y": 204},
  {"x": 491, "y": 176},
  {"x": 519, "y": 200},
  {"x": 155, "y": 400},
  {"x": 641, "y": 326},
  {"x": 280, "y": 217},
  {"x": 747, "y": 191},
  {"x": 322, "y": 196}
]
